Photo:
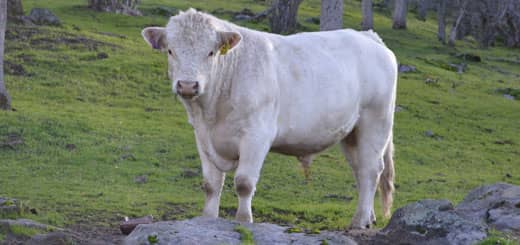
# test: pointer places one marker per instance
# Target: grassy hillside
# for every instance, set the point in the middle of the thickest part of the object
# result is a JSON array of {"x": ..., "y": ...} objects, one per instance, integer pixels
[{"x": 95, "y": 111}]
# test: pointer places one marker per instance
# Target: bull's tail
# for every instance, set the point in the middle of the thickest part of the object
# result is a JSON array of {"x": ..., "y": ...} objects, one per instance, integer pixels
[{"x": 386, "y": 182}]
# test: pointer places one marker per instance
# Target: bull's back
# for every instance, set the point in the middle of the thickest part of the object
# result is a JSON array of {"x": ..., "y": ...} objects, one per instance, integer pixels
[{"x": 321, "y": 76}]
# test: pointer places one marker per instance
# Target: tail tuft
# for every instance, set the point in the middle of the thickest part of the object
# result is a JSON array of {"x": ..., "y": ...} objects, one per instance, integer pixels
[{"x": 386, "y": 182}]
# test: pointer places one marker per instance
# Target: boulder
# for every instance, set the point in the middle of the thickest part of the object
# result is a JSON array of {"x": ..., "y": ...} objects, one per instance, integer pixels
[
  {"x": 497, "y": 205},
  {"x": 9, "y": 207},
  {"x": 244, "y": 15},
  {"x": 313, "y": 20},
  {"x": 203, "y": 230},
  {"x": 41, "y": 16},
  {"x": 430, "y": 222},
  {"x": 406, "y": 68}
]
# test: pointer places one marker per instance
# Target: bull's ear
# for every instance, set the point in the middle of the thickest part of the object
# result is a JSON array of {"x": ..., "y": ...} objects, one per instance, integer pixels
[
  {"x": 155, "y": 37},
  {"x": 228, "y": 40}
]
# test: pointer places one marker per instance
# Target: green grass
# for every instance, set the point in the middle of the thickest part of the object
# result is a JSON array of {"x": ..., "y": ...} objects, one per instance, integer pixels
[
  {"x": 24, "y": 231},
  {"x": 89, "y": 126},
  {"x": 498, "y": 238},
  {"x": 246, "y": 236}
]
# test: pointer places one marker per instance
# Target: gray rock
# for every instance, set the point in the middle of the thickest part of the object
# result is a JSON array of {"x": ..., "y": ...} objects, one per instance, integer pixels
[
  {"x": 102, "y": 55},
  {"x": 497, "y": 205},
  {"x": 459, "y": 68},
  {"x": 202, "y": 230},
  {"x": 128, "y": 156},
  {"x": 406, "y": 68},
  {"x": 313, "y": 20},
  {"x": 141, "y": 179},
  {"x": 469, "y": 57},
  {"x": 399, "y": 108},
  {"x": 431, "y": 81},
  {"x": 41, "y": 16},
  {"x": 190, "y": 173},
  {"x": 429, "y": 133},
  {"x": 242, "y": 17},
  {"x": 430, "y": 222},
  {"x": 9, "y": 207},
  {"x": 509, "y": 97}
]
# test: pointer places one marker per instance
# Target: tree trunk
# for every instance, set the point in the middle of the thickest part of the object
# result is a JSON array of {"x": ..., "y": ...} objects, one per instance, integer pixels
[
  {"x": 422, "y": 8},
  {"x": 127, "y": 7},
  {"x": 5, "y": 99},
  {"x": 331, "y": 17},
  {"x": 456, "y": 24},
  {"x": 400, "y": 11},
  {"x": 441, "y": 19},
  {"x": 368, "y": 20},
  {"x": 14, "y": 9},
  {"x": 283, "y": 17}
]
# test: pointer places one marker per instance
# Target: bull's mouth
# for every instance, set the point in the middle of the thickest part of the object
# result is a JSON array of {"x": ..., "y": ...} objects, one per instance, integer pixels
[{"x": 189, "y": 96}]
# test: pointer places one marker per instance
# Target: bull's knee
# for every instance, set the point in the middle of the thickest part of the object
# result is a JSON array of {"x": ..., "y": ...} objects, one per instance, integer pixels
[{"x": 244, "y": 186}]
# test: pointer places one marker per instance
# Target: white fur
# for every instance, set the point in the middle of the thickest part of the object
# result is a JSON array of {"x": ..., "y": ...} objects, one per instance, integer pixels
[{"x": 295, "y": 95}]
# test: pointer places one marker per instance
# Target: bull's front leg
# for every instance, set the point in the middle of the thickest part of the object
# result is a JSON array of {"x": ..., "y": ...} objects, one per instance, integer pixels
[
  {"x": 212, "y": 183},
  {"x": 253, "y": 150},
  {"x": 212, "y": 186}
]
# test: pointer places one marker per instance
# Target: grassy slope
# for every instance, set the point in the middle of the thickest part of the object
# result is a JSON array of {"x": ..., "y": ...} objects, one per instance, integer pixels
[{"x": 124, "y": 121}]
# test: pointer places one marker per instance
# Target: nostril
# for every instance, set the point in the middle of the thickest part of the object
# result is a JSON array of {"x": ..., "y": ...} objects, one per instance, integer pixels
[
  {"x": 179, "y": 85},
  {"x": 196, "y": 85}
]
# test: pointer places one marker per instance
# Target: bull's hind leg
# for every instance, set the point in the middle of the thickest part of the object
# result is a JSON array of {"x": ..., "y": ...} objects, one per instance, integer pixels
[
  {"x": 349, "y": 148},
  {"x": 364, "y": 149}
]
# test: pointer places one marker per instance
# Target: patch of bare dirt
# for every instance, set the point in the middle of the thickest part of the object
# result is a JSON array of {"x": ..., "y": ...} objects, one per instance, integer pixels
[
  {"x": 19, "y": 37},
  {"x": 11, "y": 141}
]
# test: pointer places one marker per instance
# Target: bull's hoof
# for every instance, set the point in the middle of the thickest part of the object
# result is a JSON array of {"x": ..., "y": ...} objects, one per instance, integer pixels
[
  {"x": 360, "y": 225},
  {"x": 244, "y": 218}
]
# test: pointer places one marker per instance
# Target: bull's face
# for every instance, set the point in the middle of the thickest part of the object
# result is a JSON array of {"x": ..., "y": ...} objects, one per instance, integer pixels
[{"x": 194, "y": 52}]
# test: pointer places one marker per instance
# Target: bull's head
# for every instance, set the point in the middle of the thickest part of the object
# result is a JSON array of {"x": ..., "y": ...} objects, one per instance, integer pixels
[{"x": 194, "y": 48}]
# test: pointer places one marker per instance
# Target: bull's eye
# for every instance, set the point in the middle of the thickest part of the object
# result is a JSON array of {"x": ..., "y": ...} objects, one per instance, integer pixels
[
  {"x": 211, "y": 53},
  {"x": 170, "y": 52}
]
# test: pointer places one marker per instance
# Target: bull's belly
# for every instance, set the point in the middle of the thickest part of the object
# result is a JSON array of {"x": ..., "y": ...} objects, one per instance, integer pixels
[
  {"x": 302, "y": 149},
  {"x": 300, "y": 143}
]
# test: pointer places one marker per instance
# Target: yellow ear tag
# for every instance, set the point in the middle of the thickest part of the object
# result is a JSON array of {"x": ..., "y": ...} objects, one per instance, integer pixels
[{"x": 225, "y": 48}]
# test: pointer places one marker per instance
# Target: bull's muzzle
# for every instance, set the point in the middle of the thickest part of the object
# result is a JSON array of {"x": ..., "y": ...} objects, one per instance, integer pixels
[{"x": 187, "y": 89}]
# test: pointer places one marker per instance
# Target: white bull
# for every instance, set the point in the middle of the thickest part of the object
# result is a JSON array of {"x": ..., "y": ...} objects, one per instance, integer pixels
[{"x": 248, "y": 92}]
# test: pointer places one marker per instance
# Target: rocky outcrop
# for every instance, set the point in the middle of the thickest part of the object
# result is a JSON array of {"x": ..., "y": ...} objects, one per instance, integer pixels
[
  {"x": 496, "y": 205},
  {"x": 429, "y": 222},
  {"x": 9, "y": 206},
  {"x": 423, "y": 222},
  {"x": 202, "y": 230}
]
